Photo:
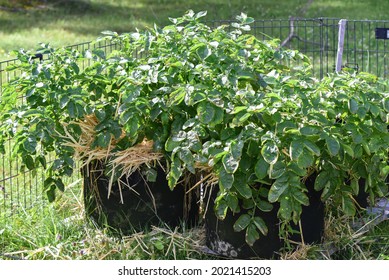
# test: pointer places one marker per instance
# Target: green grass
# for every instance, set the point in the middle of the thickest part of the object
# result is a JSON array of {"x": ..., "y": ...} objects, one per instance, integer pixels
[
  {"x": 364, "y": 237},
  {"x": 68, "y": 22},
  {"x": 359, "y": 245},
  {"x": 60, "y": 231}
]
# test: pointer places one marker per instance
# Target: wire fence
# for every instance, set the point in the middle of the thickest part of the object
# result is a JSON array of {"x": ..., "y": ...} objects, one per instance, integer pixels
[
  {"x": 365, "y": 48},
  {"x": 24, "y": 189}
]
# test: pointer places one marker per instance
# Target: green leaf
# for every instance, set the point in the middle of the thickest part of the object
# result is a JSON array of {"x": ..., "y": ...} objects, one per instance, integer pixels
[
  {"x": 72, "y": 110},
  {"x": 226, "y": 133},
  {"x": 252, "y": 234},
  {"x": 75, "y": 67},
  {"x": 42, "y": 161},
  {"x": 175, "y": 172},
  {"x": 271, "y": 78},
  {"x": 300, "y": 196},
  {"x": 206, "y": 112},
  {"x": 236, "y": 148},
  {"x": 238, "y": 109},
  {"x": 270, "y": 152},
  {"x": 200, "y": 14},
  {"x": 100, "y": 115},
  {"x": 244, "y": 190},
  {"x": 322, "y": 180},
  {"x": 261, "y": 168},
  {"x": 232, "y": 202},
  {"x": 170, "y": 144},
  {"x": 354, "y": 184},
  {"x": 126, "y": 116},
  {"x": 203, "y": 52},
  {"x": 286, "y": 208},
  {"x": 186, "y": 156},
  {"x": 375, "y": 110},
  {"x": 218, "y": 117},
  {"x": 333, "y": 145},
  {"x": 309, "y": 130},
  {"x": 385, "y": 171},
  {"x": 57, "y": 164},
  {"x": 362, "y": 112},
  {"x": 103, "y": 139},
  {"x": 63, "y": 101},
  {"x": 158, "y": 245},
  {"x": 305, "y": 160},
  {"x": 221, "y": 208},
  {"x": 244, "y": 19},
  {"x": 295, "y": 168},
  {"x": 385, "y": 103},
  {"x": 264, "y": 206},
  {"x": 240, "y": 118},
  {"x": 277, "y": 170},
  {"x": 312, "y": 147},
  {"x": 348, "y": 150},
  {"x": 30, "y": 145},
  {"x": 276, "y": 190},
  {"x": 296, "y": 149},
  {"x": 353, "y": 106},
  {"x": 176, "y": 97},
  {"x": 226, "y": 180},
  {"x": 151, "y": 175},
  {"x": 348, "y": 205},
  {"x": 230, "y": 163},
  {"x": 29, "y": 162},
  {"x": 261, "y": 225},
  {"x": 356, "y": 136},
  {"x": 329, "y": 189},
  {"x": 60, "y": 185},
  {"x": 366, "y": 148},
  {"x": 242, "y": 222},
  {"x": 51, "y": 193}
]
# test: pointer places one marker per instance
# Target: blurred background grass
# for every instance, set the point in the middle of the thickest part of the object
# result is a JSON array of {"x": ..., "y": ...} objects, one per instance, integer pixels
[{"x": 26, "y": 23}]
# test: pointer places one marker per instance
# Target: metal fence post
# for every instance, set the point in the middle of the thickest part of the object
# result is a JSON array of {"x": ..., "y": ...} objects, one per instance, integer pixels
[{"x": 339, "y": 55}]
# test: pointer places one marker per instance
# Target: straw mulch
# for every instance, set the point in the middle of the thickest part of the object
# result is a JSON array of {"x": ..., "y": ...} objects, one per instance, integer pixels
[{"x": 123, "y": 161}]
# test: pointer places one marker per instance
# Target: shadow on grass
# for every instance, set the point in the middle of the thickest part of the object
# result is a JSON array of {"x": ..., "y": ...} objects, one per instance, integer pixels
[{"x": 93, "y": 16}]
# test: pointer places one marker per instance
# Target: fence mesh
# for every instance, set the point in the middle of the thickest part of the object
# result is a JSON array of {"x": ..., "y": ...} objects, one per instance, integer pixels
[
  {"x": 23, "y": 189},
  {"x": 317, "y": 38}
]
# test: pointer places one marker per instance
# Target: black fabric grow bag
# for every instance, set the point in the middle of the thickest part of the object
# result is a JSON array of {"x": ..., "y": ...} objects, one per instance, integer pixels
[
  {"x": 221, "y": 238},
  {"x": 144, "y": 203}
]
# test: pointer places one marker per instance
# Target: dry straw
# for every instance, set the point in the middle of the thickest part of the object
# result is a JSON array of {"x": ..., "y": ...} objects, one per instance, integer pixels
[{"x": 123, "y": 161}]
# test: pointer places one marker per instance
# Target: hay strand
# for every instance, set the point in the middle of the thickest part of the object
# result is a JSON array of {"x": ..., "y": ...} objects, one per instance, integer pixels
[{"x": 121, "y": 162}]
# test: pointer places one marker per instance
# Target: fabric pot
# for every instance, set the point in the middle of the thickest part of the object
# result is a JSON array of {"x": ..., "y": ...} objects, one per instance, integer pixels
[
  {"x": 312, "y": 216},
  {"x": 221, "y": 238},
  {"x": 362, "y": 197},
  {"x": 144, "y": 203}
]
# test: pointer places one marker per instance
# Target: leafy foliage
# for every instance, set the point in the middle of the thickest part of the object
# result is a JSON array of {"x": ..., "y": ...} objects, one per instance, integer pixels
[{"x": 214, "y": 97}]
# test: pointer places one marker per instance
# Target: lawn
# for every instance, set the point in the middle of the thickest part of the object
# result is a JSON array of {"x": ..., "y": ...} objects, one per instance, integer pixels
[
  {"x": 68, "y": 22},
  {"x": 62, "y": 233}
]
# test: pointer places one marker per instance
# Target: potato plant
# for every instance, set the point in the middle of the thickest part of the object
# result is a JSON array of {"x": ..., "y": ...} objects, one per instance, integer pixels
[{"x": 212, "y": 97}]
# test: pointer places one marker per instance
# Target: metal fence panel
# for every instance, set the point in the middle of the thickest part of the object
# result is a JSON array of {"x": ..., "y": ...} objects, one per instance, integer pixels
[
  {"x": 22, "y": 189},
  {"x": 362, "y": 51}
]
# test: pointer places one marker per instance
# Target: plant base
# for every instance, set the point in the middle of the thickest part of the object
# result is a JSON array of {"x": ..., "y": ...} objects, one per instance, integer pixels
[
  {"x": 221, "y": 238},
  {"x": 139, "y": 204}
]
